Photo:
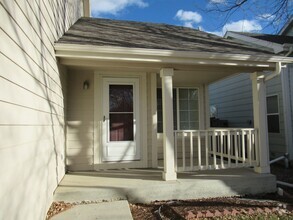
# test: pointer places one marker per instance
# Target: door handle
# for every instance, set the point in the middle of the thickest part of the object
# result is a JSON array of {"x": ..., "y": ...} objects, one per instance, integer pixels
[{"x": 104, "y": 118}]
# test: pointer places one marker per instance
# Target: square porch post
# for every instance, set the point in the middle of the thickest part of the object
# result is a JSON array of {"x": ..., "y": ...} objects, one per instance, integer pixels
[
  {"x": 168, "y": 124},
  {"x": 260, "y": 121}
]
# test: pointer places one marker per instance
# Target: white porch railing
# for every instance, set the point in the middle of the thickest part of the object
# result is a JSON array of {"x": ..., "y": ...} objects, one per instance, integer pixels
[{"x": 216, "y": 149}]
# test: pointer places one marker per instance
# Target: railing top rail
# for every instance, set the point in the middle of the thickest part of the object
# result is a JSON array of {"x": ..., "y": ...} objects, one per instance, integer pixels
[{"x": 217, "y": 129}]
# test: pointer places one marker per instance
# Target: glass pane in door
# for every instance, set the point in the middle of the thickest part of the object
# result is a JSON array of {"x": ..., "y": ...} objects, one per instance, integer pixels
[
  {"x": 121, "y": 112},
  {"x": 121, "y": 127},
  {"x": 121, "y": 98}
]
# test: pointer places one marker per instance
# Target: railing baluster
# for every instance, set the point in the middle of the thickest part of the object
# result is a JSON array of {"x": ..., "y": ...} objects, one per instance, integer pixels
[
  {"x": 253, "y": 145},
  {"x": 207, "y": 148},
  {"x": 199, "y": 149},
  {"x": 214, "y": 149},
  {"x": 243, "y": 148},
  {"x": 229, "y": 148},
  {"x": 249, "y": 147},
  {"x": 183, "y": 150},
  {"x": 256, "y": 147},
  {"x": 236, "y": 147},
  {"x": 191, "y": 151},
  {"x": 176, "y": 149},
  {"x": 222, "y": 149}
]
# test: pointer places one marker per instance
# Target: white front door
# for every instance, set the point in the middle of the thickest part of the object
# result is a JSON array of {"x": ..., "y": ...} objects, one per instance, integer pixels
[{"x": 120, "y": 119}]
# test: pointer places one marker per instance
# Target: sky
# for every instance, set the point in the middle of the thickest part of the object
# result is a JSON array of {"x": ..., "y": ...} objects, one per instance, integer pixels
[{"x": 188, "y": 13}]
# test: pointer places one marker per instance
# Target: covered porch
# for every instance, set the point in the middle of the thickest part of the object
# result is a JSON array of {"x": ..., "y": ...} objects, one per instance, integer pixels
[
  {"x": 129, "y": 73},
  {"x": 203, "y": 148},
  {"x": 173, "y": 149}
]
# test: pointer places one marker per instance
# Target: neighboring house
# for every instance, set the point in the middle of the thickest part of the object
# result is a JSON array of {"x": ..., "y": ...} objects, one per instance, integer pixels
[
  {"x": 32, "y": 92},
  {"x": 236, "y": 105},
  {"x": 93, "y": 98}
]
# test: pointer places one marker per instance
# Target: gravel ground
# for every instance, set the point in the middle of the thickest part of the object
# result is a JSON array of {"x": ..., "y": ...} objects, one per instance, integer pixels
[
  {"x": 218, "y": 208},
  {"x": 58, "y": 207}
]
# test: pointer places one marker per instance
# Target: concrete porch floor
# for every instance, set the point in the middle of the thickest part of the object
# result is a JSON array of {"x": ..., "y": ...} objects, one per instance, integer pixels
[{"x": 146, "y": 185}]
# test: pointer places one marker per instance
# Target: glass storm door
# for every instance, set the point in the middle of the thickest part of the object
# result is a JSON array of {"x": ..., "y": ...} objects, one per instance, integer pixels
[{"x": 120, "y": 119}]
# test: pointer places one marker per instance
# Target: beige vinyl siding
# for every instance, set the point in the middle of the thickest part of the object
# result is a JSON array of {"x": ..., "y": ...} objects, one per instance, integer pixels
[
  {"x": 32, "y": 97},
  {"x": 80, "y": 121},
  {"x": 233, "y": 100}
]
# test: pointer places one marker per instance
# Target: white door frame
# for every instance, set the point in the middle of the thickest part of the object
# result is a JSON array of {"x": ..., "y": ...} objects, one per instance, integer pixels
[
  {"x": 98, "y": 120},
  {"x": 131, "y": 149}
]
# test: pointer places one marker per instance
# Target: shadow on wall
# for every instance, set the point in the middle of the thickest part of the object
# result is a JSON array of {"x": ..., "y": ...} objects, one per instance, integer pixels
[
  {"x": 32, "y": 107},
  {"x": 80, "y": 120}
]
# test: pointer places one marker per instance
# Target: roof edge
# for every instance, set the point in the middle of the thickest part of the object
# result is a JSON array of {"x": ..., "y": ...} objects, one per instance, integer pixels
[
  {"x": 143, "y": 52},
  {"x": 277, "y": 48}
]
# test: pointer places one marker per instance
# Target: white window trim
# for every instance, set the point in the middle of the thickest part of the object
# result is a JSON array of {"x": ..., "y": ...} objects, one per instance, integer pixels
[
  {"x": 269, "y": 114},
  {"x": 178, "y": 106}
]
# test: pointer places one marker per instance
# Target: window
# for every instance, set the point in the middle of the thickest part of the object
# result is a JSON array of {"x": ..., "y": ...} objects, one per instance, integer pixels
[
  {"x": 185, "y": 109},
  {"x": 273, "y": 114}
]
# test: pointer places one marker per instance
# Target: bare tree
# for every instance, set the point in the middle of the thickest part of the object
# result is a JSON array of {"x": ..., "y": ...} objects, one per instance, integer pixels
[{"x": 274, "y": 12}]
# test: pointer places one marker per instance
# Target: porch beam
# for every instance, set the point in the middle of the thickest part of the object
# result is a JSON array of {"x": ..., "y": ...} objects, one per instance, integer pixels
[
  {"x": 168, "y": 136},
  {"x": 260, "y": 121}
]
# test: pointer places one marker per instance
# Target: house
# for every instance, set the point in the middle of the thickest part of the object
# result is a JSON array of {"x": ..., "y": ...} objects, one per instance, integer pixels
[
  {"x": 32, "y": 127},
  {"x": 236, "y": 106},
  {"x": 93, "y": 97}
]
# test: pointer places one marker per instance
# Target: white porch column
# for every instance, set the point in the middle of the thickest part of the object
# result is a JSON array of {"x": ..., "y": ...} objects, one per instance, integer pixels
[
  {"x": 204, "y": 107},
  {"x": 260, "y": 121},
  {"x": 168, "y": 135}
]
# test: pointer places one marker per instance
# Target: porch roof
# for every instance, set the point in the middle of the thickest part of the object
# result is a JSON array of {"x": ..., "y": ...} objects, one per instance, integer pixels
[
  {"x": 130, "y": 34},
  {"x": 110, "y": 44}
]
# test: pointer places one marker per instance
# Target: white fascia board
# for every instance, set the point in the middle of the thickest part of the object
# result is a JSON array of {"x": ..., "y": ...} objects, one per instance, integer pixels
[
  {"x": 277, "y": 48},
  {"x": 158, "y": 55}
]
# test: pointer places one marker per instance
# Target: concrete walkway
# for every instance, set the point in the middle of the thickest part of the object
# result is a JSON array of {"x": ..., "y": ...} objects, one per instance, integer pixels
[
  {"x": 142, "y": 186},
  {"x": 103, "y": 211}
]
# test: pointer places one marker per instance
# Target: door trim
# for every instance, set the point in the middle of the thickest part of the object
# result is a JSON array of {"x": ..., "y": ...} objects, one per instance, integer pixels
[
  {"x": 98, "y": 117},
  {"x": 107, "y": 81}
]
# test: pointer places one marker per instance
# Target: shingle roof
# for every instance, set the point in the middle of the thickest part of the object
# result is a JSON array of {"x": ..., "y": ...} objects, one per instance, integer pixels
[
  {"x": 279, "y": 39},
  {"x": 105, "y": 32}
]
